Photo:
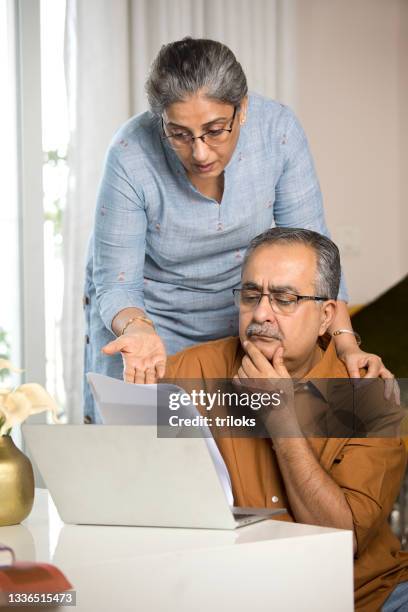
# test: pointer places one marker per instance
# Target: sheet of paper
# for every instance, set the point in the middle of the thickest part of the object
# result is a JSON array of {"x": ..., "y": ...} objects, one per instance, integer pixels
[{"x": 123, "y": 403}]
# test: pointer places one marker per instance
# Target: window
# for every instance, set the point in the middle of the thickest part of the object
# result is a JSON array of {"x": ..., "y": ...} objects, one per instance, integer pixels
[
  {"x": 55, "y": 137},
  {"x": 33, "y": 123},
  {"x": 10, "y": 302}
]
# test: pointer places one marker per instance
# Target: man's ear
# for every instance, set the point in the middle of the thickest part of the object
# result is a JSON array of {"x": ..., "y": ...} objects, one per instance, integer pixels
[{"x": 327, "y": 313}]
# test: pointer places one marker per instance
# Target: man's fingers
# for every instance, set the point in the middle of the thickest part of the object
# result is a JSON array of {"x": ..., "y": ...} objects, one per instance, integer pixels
[
  {"x": 236, "y": 380},
  {"x": 241, "y": 373},
  {"x": 258, "y": 366},
  {"x": 278, "y": 364},
  {"x": 257, "y": 358},
  {"x": 248, "y": 367}
]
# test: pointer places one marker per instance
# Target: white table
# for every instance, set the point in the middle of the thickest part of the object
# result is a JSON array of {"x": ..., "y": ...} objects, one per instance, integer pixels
[{"x": 270, "y": 565}]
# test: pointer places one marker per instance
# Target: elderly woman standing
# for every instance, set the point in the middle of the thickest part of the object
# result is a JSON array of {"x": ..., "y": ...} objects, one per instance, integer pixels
[{"x": 185, "y": 188}]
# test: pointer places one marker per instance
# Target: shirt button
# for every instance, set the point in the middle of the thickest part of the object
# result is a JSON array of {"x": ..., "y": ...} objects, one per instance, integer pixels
[{"x": 275, "y": 499}]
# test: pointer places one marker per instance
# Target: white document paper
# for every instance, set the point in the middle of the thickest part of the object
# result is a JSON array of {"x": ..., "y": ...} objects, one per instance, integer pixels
[{"x": 123, "y": 403}]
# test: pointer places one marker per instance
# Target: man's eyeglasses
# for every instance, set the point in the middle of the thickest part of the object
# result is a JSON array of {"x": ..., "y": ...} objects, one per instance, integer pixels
[
  {"x": 180, "y": 139},
  {"x": 281, "y": 302}
]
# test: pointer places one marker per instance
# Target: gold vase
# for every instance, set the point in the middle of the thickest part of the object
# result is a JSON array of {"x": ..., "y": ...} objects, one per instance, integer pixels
[{"x": 16, "y": 483}]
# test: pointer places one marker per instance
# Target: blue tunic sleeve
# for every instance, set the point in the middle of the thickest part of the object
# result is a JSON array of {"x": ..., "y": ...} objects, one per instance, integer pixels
[
  {"x": 119, "y": 239},
  {"x": 298, "y": 199}
]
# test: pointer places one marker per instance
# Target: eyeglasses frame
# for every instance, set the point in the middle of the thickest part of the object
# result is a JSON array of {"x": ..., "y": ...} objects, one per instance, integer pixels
[
  {"x": 298, "y": 297},
  {"x": 202, "y": 136}
]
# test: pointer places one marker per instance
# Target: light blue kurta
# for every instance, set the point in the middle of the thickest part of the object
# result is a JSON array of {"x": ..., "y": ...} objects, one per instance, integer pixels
[{"x": 160, "y": 245}]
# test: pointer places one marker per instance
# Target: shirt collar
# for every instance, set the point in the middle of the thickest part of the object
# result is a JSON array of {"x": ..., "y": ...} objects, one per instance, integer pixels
[{"x": 330, "y": 366}]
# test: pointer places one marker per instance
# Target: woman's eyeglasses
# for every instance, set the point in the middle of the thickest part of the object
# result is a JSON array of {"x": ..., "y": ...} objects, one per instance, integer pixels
[{"x": 180, "y": 139}]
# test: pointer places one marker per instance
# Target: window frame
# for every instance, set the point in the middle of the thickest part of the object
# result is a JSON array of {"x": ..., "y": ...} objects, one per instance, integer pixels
[{"x": 30, "y": 190}]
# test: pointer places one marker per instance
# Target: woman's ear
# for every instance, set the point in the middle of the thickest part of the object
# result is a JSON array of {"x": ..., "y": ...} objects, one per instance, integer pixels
[
  {"x": 243, "y": 108},
  {"x": 327, "y": 313}
]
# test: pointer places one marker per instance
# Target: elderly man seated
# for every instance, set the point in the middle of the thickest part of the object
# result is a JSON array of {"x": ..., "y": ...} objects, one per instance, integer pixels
[{"x": 287, "y": 300}]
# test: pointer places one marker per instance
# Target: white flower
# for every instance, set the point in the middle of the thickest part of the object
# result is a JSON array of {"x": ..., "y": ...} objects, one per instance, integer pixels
[{"x": 27, "y": 399}]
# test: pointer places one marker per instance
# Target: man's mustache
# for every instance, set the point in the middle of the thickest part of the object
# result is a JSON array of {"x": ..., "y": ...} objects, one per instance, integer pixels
[{"x": 264, "y": 329}]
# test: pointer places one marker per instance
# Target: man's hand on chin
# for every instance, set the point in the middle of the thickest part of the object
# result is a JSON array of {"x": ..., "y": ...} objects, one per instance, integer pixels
[
  {"x": 258, "y": 374},
  {"x": 255, "y": 365}
]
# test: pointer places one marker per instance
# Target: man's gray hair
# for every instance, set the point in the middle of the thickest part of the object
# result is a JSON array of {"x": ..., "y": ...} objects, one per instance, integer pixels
[
  {"x": 328, "y": 273},
  {"x": 184, "y": 67}
]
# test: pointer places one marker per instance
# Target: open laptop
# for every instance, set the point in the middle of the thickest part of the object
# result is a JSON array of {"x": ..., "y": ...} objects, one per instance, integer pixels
[
  {"x": 121, "y": 403},
  {"x": 126, "y": 475}
]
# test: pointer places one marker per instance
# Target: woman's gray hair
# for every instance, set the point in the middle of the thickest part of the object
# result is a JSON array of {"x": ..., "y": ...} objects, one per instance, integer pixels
[
  {"x": 184, "y": 67},
  {"x": 328, "y": 272}
]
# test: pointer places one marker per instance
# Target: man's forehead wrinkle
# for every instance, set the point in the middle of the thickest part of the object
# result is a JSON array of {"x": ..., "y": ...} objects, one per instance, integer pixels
[
  {"x": 249, "y": 284},
  {"x": 283, "y": 288}
]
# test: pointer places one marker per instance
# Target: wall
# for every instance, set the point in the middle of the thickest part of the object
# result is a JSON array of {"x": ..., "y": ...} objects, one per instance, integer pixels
[{"x": 351, "y": 94}]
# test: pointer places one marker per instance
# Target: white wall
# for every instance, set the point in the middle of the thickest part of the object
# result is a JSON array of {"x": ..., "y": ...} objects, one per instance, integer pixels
[{"x": 351, "y": 94}]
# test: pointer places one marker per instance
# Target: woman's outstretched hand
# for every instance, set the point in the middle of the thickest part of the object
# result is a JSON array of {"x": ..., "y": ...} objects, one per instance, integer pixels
[{"x": 143, "y": 354}]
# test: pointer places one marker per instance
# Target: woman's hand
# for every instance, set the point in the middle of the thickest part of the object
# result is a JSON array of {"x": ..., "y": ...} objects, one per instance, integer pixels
[
  {"x": 355, "y": 359},
  {"x": 143, "y": 354}
]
